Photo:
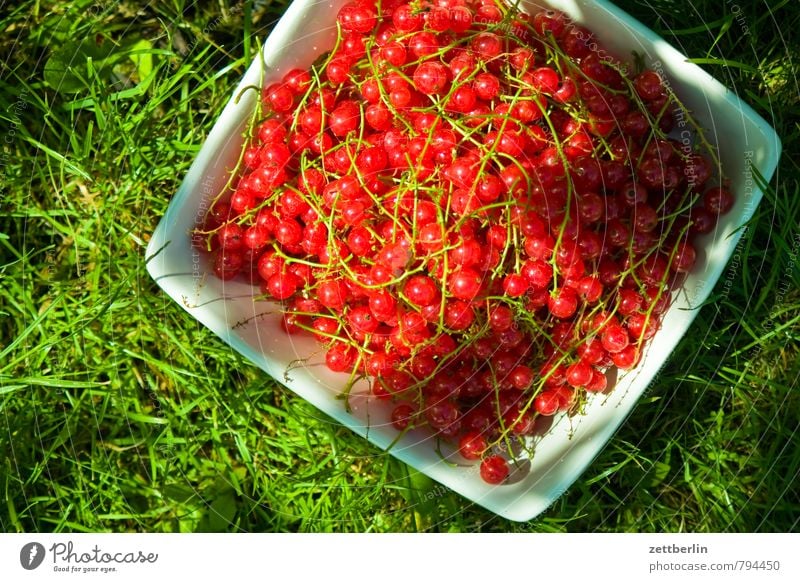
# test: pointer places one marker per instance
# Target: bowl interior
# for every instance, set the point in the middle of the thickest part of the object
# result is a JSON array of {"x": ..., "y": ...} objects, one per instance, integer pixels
[{"x": 252, "y": 328}]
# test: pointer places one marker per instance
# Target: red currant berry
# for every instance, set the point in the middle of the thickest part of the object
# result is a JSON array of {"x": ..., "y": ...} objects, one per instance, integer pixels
[
  {"x": 614, "y": 338},
  {"x": 546, "y": 80},
  {"x": 648, "y": 85},
  {"x": 515, "y": 285},
  {"x": 494, "y": 469},
  {"x": 599, "y": 382},
  {"x": 407, "y": 19},
  {"x": 546, "y": 403},
  {"x": 332, "y": 293},
  {"x": 486, "y": 86},
  {"x": 231, "y": 237},
  {"x": 521, "y": 377},
  {"x": 718, "y": 201},
  {"x": 684, "y": 259},
  {"x": 472, "y": 446},
  {"x": 283, "y": 285},
  {"x": 458, "y": 315},
  {"x": 626, "y": 358},
  {"x": 403, "y": 416},
  {"x": 563, "y": 303},
  {"x": 465, "y": 284},
  {"x": 340, "y": 357},
  {"x": 357, "y": 17},
  {"x": 421, "y": 290},
  {"x": 579, "y": 374},
  {"x": 430, "y": 78},
  {"x": 227, "y": 264}
]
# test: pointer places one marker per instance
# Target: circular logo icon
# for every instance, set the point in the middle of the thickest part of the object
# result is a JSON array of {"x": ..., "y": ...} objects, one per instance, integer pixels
[{"x": 31, "y": 555}]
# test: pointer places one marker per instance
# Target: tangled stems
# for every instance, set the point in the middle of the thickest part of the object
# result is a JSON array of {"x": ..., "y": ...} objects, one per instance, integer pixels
[{"x": 478, "y": 215}]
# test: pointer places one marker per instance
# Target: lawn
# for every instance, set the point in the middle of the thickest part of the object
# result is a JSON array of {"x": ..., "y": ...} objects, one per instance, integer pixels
[{"x": 118, "y": 412}]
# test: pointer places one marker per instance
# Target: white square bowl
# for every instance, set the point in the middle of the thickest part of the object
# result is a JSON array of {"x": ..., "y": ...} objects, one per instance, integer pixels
[{"x": 251, "y": 327}]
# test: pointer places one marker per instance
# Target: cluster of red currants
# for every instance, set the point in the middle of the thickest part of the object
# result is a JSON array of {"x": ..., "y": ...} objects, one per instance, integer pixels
[{"x": 473, "y": 207}]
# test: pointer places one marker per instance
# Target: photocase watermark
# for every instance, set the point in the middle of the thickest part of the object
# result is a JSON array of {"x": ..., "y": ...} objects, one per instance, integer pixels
[
  {"x": 602, "y": 54},
  {"x": 19, "y": 105},
  {"x": 733, "y": 267},
  {"x": 206, "y": 201},
  {"x": 10, "y": 135},
  {"x": 31, "y": 555},
  {"x": 748, "y": 185},
  {"x": 782, "y": 291},
  {"x": 209, "y": 28},
  {"x": 65, "y": 557},
  {"x": 699, "y": 291},
  {"x": 736, "y": 10},
  {"x": 786, "y": 283},
  {"x": 687, "y": 135},
  {"x": 506, "y": 28}
]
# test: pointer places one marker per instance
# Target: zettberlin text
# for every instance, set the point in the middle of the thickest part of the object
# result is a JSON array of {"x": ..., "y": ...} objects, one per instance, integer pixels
[{"x": 673, "y": 549}]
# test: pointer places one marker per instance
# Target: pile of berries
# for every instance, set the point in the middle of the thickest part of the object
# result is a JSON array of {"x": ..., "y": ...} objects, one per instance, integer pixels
[{"x": 476, "y": 209}]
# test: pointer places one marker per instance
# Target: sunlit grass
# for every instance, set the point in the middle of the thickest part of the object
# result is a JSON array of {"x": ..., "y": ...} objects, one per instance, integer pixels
[{"x": 119, "y": 412}]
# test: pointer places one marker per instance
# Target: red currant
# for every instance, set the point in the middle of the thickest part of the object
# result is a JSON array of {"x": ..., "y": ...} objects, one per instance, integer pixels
[{"x": 494, "y": 469}]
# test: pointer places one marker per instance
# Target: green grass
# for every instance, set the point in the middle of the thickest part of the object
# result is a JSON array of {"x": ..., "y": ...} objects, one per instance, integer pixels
[{"x": 118, "y": 412}]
